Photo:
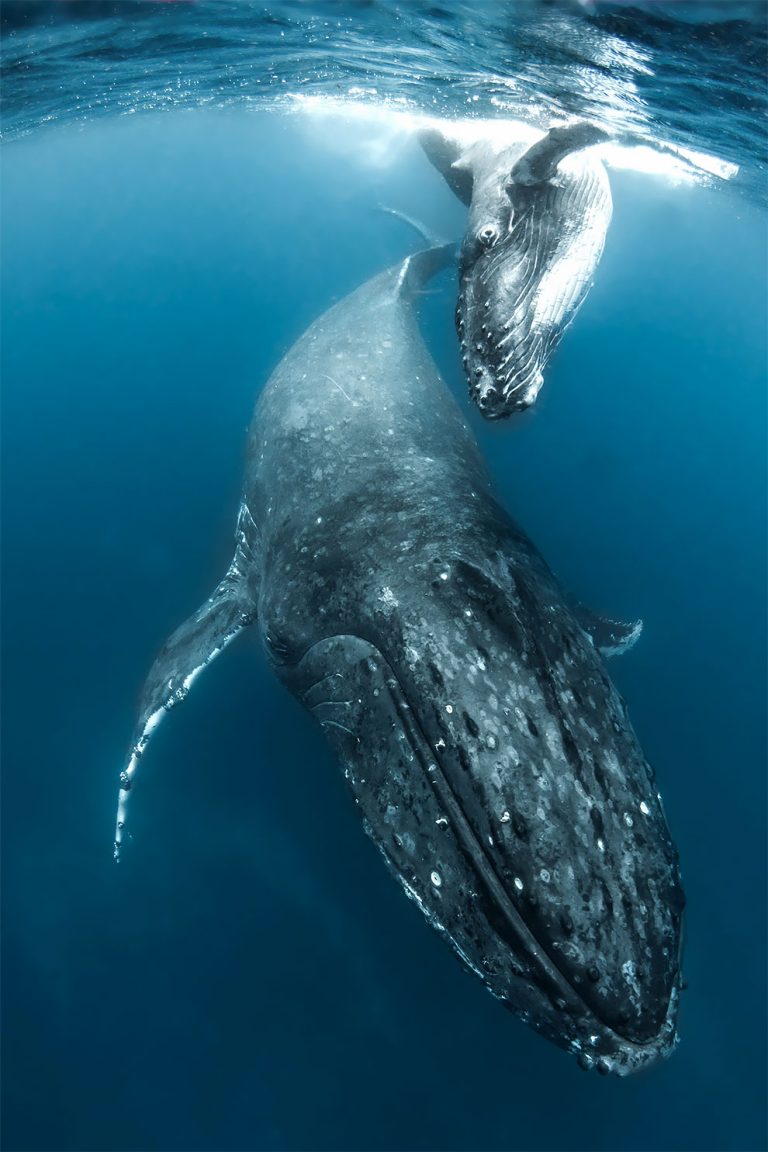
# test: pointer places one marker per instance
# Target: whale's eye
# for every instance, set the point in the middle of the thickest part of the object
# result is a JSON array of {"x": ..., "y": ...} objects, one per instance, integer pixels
[{"x": 488, "y": 235}]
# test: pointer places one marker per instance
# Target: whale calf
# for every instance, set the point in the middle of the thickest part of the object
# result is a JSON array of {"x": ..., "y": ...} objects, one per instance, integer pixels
[
  {"x": 462, "y": 688},
  {"x": 538, "y": 217}
]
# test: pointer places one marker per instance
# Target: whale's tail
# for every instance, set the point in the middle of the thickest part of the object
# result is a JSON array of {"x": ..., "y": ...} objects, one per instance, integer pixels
[{"x": 230, "y": 609}]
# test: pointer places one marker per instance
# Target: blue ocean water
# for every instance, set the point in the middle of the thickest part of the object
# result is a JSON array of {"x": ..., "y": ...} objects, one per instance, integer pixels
[{"x": 251, "y": 977}]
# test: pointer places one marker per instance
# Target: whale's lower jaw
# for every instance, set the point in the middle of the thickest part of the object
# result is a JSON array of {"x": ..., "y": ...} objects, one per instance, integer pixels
[
  {"x": 415, "y": 817},
  {"x": 498, "y": 398}
]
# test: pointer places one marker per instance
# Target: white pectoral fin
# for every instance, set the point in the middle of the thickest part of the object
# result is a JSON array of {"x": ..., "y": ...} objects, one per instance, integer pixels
[
  {"x": 444, "y": 151},
  {"x": 180, "y": 661},
  {"x": 610, "y": 637}
]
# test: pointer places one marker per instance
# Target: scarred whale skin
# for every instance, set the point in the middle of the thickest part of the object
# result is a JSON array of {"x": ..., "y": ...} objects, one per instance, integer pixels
[{"x": 463, "y": 690}]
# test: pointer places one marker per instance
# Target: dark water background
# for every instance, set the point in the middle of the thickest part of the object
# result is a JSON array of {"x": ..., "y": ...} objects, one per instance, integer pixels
[{"x": 250, "y": 977}]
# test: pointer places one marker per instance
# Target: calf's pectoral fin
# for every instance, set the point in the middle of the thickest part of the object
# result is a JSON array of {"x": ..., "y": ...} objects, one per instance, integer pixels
[
  {"x": 540, "y": 162},
  {"x": 445, "y": 152},
  {"x": 180, "y": 661}
]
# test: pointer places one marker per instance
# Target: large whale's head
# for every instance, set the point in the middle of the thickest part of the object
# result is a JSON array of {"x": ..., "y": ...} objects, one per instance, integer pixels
[
  {"x": 538, "y": 217},
  {"x": 496, "y": 770}
]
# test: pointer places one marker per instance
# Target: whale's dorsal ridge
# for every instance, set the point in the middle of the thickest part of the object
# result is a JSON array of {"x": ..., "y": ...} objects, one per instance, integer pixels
[{"x": 208, "y": 631}]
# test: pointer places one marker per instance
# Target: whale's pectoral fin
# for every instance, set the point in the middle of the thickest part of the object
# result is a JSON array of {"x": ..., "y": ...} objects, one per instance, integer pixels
[
  {"x": 445, "y": 154},
  {"x": 540, "y": 162},
  {"x": 180, "y": 661},
  {"x": 610, "y": 637}
]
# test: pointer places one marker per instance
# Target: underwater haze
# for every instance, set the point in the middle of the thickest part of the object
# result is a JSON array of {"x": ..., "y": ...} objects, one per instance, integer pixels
[{"x": 249, "y": 976}]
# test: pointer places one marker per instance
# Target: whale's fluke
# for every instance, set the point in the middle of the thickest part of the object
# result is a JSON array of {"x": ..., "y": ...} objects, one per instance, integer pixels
[{"x": 185, "y": 654}]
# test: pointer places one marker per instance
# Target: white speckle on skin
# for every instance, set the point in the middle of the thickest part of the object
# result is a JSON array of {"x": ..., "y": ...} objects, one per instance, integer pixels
[
  {"x": 518, "y": 884},
  {"x": 449, "y": 708},
  {"x": 388, "y": 599},
  {"x": 505, "y": 817},
  {"x": 436, "y": 879},
  {"x": 644, "y": 808},
  {"x": 600, "y": 844},
  {"x": 544, "y": 875}
]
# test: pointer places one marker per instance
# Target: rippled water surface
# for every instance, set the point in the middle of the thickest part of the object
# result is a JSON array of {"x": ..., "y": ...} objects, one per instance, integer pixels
[{"x": 685, "y": 73}]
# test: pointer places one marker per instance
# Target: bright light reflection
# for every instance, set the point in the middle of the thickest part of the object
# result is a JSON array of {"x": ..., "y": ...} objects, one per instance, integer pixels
[{"x": 395, "y": 120}]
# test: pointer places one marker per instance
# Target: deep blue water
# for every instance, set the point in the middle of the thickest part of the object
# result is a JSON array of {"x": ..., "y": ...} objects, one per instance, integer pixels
[{"x": 251, "y": 977}]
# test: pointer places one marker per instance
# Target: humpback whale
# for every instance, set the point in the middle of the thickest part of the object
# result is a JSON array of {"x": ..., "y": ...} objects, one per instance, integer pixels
[
  {"x": 538, "y": 218},
  {"x": 462, "y": 688}
]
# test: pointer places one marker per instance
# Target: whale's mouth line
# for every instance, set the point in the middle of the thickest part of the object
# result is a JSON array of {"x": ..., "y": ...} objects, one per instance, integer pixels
[
  {"x": 544, "y": 970},
  {"x": 552, "y": 979}
]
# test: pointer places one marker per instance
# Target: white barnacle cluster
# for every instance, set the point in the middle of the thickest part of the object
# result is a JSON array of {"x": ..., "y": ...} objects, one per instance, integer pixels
[{"x": 388, "y": 599}]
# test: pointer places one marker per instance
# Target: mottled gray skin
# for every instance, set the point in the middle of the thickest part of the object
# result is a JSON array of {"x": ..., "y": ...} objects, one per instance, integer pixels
[
  {"x": 538, "y": 218},
  {"x": 491, "y": 757}
]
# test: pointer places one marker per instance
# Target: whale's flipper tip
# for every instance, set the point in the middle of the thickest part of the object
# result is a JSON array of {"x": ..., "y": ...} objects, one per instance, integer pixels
[
  {"x": 444, "y": 152},
  {"x": 540, "y": 162},
  {"x": 610, "y": 637},
  {"x": 180, "y": 661}
]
